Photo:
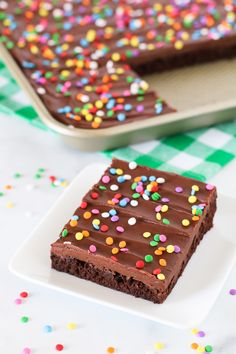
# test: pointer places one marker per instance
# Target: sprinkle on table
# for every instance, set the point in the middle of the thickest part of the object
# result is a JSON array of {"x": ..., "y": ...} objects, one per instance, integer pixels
[
  {"x": 26, "y": 351},
  {"x": 232, "y": 292},
  {"x": 111, "y": 350},
  {"x": 24, "y": 319},
  {"x": 159, "y": 346},
  {"x": 59, "y": 347}
]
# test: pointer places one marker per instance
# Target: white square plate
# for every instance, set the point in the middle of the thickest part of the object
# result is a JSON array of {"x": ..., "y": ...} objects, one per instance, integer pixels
[{"x": 190, "y": 300}]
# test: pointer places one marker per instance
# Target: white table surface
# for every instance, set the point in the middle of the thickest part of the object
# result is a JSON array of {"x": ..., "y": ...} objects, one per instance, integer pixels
[{"x": 24, "y": 149}]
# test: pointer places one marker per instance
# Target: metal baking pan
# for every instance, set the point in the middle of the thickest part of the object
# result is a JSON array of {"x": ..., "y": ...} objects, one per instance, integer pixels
[{"x": 203, "y": 95}]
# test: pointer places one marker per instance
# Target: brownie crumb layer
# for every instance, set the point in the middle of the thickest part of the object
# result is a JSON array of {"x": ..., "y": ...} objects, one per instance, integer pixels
[{"x": 135, "y": 230}]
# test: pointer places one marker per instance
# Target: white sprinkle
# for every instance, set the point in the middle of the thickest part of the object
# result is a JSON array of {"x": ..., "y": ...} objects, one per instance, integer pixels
[
  {"x": 145, "y": 196},
  {"x": 134, "y": 203},
  {"x": 127, "y": 177},
  {"x": 67, "y": 243},
  {"x": 100, "y": 22},
  {"x": 3, "y": 5},
  {"x": 161, "y": 180},
  {"x": 105, "y": 215},
  {"x": 114, "y": 187},
  {"x": 132, "y": 165},
  {"x": 132, "y": 221},
  {"x": 41, "y": 90}
]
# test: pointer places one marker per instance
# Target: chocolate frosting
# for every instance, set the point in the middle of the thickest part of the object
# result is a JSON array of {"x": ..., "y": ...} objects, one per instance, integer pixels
[{"x": 139, "y": 225}]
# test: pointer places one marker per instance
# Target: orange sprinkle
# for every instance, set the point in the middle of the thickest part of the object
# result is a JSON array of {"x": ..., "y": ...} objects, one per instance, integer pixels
[
  {"x": 8, "y": 186},
  {"x": 122, "y": 244},
  {"x": 109, "y": 241},
  {"x": 115, "y": 250},
  {"x": 73, "y": 223},
  {"x": 194, "y": 345},
  {"x": 87, "y": 215},
  {"x": 111, "y": 350},
  {"x": 85, "y": 233}
]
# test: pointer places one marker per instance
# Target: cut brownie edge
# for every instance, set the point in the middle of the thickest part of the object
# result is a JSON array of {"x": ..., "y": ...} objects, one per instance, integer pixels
[{"x": 129, "y": 285}]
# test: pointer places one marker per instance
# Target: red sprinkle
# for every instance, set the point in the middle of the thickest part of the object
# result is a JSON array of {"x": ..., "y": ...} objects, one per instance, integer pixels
[
  {"x": 24, "y": 294},
  {"x": 59, "y": 347},
  {"x": 156, "y": 271},
  {"x": 140, "y": 264},
  {"x": 94, "y": 195},
  {"x": 83, "y": 205},
  {"x": 104, "y": 228},
  {"x": 114, "y": 258}
]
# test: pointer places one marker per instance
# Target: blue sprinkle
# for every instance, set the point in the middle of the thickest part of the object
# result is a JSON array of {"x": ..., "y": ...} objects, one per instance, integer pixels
[
  {"x": 121, "y": 117},
  {"x": 96, "y": 227},
  {"x": 112, "y": 171},
  {"x": 152, "y": 178},
  {"x": 112, "y": 212},
  {"x": 47, "y": 329},
  {"x": 28, "y": 64},
  {"x": 123, "y": 203},
  {"x": 120, "y": 179},
  {"x": 110, "y": 104},
  {"x": 75, "y": 217},
  {"x": 144, "y": 178},
  {"x": 127, "y": 107}
]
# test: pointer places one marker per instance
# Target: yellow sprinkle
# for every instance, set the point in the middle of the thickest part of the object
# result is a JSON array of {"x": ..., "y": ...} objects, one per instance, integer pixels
[
  {"x": 185, "y": 222},
  {"x": 91, "y": 35},
  {"x": 146, "y": 234},
  {"x": 71, "y": 325},
  {"x": 96, "y": 222},
  {"x": 99, "y": 104},
  {"x": 164, "y": 208},
  {"x": 170, "y": 249},
  {"x": 115, "y": 250},
  {"x": 179, "y": 45},
  {"x": 159, "y": 346},
  {"x": 192, "y": 199},
  {"x": 122, "y": 244},
  {"x": 115, "y": 57},
  {"x": 119, "y": 171},
  {"x": 161, "y": 276},
  {"x": 195, "y": 188},
  {"x": 194, "y": 331},
  {"x": 158, "y": 216},
  {"x": 109, "y": 241},
  {"x": 200, "y": 349},
  {"x": 79, "y": 236}
]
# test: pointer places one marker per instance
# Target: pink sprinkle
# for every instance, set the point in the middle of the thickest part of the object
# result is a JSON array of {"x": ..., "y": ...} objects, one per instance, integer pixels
[
  {"x": 120, "y": 229},
  {"x": 209, "y": 187},
  {"x": 124, "y": 249},
  {"x": 158, "y": 208},
  {"x": 92, "y": 248},
  {"x": 95, "y": 211},
  {"x": 26, "y": 351},
  {"x": 105, "y": 179},
  {"x": 232, "y": 291},
  {"x": 139, "y": 189},
  {"x": 163, "y": 238},
  {"x": 18, "y": 301}
]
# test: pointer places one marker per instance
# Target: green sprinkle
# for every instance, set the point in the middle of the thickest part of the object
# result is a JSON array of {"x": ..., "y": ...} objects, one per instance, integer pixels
[
  {"x": 136, "y": 195},
  {"x": 166, "y": 221},
  {"x": 133, "y": 186},
  {"x": 37, "y": 176},
  {"x": 148, "y": 258},
  {"x": 17, "y": 175},
  {"x": 10, "y": 45},
  {"x": 155, "y": 196},
  {"x": 102, "y": 188},
  {"x": 64, "y": 233},
  {"x": 41, "y": 170},
  {"x": 1, "y": 194},
  {"x": 156, "y": 237},
  {"x": 24, "y": 319},
  {"x": 208, "y": 348},
  {"x": 153, "y": 243}
]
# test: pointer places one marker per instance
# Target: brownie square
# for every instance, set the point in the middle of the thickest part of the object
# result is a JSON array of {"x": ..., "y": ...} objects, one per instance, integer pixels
[{"x": 136, "y": 230}]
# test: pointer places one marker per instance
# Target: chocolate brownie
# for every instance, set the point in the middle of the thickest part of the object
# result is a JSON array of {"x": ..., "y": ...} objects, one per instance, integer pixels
[
  {"x": 135, "y": 230},
  {"x": 84, "y": 58}
]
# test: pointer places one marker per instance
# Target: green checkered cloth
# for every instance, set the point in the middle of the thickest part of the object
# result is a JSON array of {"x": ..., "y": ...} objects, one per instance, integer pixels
[{"x": 199, "y": 154}]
